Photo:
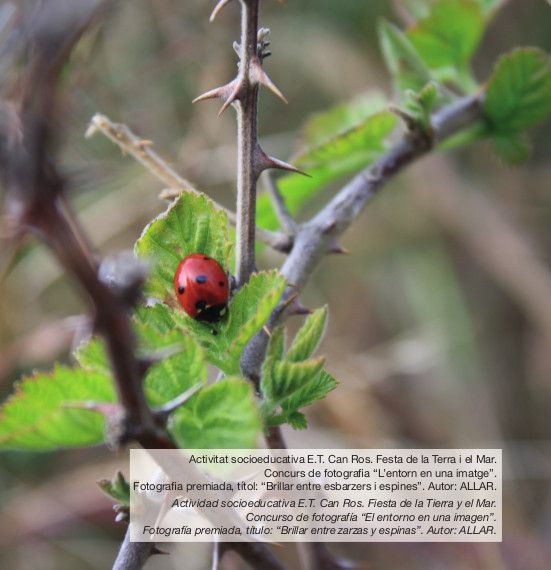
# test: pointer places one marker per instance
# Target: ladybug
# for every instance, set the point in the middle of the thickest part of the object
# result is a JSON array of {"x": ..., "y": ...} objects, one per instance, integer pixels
[{"x": 202, "y": 288}]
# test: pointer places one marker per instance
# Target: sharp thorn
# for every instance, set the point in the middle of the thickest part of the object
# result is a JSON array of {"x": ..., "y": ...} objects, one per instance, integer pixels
[
  {"x": 338, "y": 249},
  {"x": 266, "y": 162},
  {"x": 262, "y": 77},
  {"x": 289, "y": 301},
  {"x": 218, "y": 93},
  {"x": 297, "y": 308},
  {"x": 156, "y": 550},
  {"x": 267, "y": 331},
  {"x": 218, "y": 8}
]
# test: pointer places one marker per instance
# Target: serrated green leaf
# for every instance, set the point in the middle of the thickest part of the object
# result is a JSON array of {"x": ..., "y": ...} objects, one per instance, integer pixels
[
  {"x": 117, "y": 489},
  {"x": 518, "y": 95},
  {"x": 406, "y": 66},
  {"x": 224, "y": 415},
  {"x": 288, "y": 378},
  {"x": 449, "y": 35},
  {"x": 159, "y": 316},
  {"x": 513, "y": 149},
  {"x": 308, "y": 337},
  {"x": 315, "y": 389},
  {"x": 343, "y": 154},
  {"x": 297, "y": 420},
  {"x": 37, "y": 415},
  {"x": 191, "y": 224},
  {"x": 248, "y": 312}
]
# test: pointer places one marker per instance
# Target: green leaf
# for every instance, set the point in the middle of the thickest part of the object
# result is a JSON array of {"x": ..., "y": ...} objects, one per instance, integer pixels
[
  {"x": 322, "y": 126},
  {"x": 308, "y": 337},
  {"x": 287, "y": 378},
  {"x": 518, "y": 95},
  {"x": 513, "y": 149},
  {"x": 403, "y": 61},
  {"x": 37, "y": 416},
  {"x": 117, "y": 489},
  {"x": 316, "y": 388},
  {"x": 248, "y": 312},
  {"x": 183, "y": 366},
  {"x": 224, "y": 415},
  {"x": 191, "y": 224},
  {"x": 450, "y": 34},
  {"x": 172, "y": 376},
  {"x": 343, "y": 154},
  {"x": 420, "y": 105},
  {"x": 297, "y": 420},
  {"x": 367, "y": 138}
]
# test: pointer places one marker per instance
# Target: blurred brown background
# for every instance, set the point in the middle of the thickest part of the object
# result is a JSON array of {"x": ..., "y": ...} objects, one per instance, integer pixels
[{"x": 440, "y": 326}]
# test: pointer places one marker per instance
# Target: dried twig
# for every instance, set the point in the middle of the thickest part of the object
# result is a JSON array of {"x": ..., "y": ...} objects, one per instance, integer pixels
[{"x": 142, "y": 151}]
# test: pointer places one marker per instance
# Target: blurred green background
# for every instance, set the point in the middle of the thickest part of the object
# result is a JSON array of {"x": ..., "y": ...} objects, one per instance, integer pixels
[{"x": 440, "y": 327}]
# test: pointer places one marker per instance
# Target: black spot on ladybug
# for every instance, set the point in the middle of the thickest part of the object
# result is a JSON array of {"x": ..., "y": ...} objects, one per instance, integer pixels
[
  {"x": 206, "y": 258},
  {"x": 181, "y": 290},
  {"x": 201, "y": 279},
  {"x": 201, "y": 305},
  {"x": 221, "y": 283}
]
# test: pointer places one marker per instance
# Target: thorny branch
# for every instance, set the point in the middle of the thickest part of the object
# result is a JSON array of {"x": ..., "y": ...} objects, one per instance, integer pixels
[
  {"x": 141, "y": 151},
  {"x": 37, "y": 203},
  {"x": 242, "y": 92},
  {"x": 316, "y": 237}
]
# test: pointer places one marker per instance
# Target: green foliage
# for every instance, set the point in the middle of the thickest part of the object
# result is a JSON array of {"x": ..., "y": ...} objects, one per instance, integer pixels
[
  {"x": 181, "y": 361},
  {"x": 518, "y": 95},
  {"x": 406, "y": 66},
  {"x": 41, "y": 414},
  {"x": 248, "y": 312},
  {"x": 191, "y": 224},
  {"x": 340, "y": 154},
  {"x": 292, "y": 382},
  {"x": 420, "y": 105},
  {"x": 118, "y": 488},
  {"x": 448, "y": 36},
  {"x": 322, "y": 126},
  {"x": 224, "y": 415},
  {"x": 308, "y": 338}
]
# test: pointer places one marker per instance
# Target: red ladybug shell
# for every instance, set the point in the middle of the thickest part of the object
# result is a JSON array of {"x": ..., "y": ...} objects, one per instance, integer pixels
[{"x": 202, "y": 287}]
